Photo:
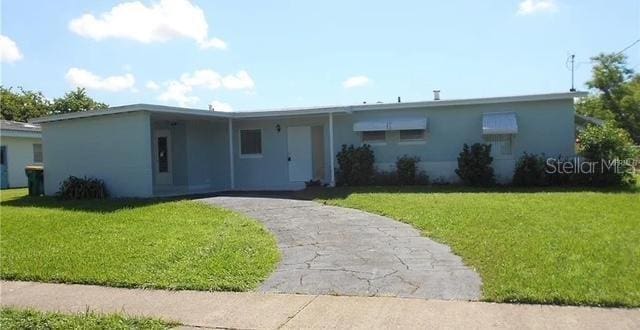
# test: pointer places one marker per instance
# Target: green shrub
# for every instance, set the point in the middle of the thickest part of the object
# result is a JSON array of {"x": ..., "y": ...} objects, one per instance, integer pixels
[
  {"x": 355, "y": 165},
  {"x": 385, "y": 178},
  {"x": 408, "y": 172},
  {"x": 530, "y": 171},
  {"x": 604, "y": 145},
  {"x": 553, "y": 177},
  {"x": 474, "y": 165},
  {"x": 82, "y": 188}
]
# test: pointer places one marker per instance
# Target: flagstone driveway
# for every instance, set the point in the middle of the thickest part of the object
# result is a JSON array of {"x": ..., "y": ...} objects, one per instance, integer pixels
[{"x": 334, "y": 250}]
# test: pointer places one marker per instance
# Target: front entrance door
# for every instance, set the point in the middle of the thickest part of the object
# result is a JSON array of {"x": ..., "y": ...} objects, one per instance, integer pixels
[
  {"x": 162, "y": 157},
  {"x": 299, "y": 145},
  {"x": 4, "y": 172}
]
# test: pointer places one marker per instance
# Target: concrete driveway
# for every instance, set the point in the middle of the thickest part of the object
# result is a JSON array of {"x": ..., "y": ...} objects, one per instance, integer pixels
[{"x": 334, "y": 250}]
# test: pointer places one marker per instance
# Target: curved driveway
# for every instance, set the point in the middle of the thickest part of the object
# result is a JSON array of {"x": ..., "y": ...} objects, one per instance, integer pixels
[{"x": 334, "y": 250}]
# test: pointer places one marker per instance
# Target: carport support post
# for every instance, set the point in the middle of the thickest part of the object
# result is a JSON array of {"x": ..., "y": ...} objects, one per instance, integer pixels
[
  {"x": 231, "y": 174},
  {"x": 332, "y": 155}
]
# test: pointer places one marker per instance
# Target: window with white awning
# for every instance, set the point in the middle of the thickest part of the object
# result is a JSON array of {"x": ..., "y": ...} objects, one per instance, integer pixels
[
  {"x": 391, "y": 124},
  {"x": 498, "y": 129},
  {"x": 499, "y": 123},
  {"x": 370, "y": 125}
]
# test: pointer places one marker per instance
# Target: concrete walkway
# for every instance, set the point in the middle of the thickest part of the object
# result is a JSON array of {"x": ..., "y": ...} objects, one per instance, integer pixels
[
  {"x": 334, "y": 250},
  {"x": 286, "y": 311}
]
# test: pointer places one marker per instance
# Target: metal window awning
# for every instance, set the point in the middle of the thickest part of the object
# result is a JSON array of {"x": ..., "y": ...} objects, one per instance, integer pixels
[
  {"x": 370, "y": 125},
  {"x": 392, "y": 124},
  {"x": 499, "y": 123}
]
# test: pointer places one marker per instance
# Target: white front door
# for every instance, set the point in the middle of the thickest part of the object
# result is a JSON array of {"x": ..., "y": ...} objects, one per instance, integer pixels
[
  {"x": 299, "y": 144},
  {"x": 162, "y": 157}
]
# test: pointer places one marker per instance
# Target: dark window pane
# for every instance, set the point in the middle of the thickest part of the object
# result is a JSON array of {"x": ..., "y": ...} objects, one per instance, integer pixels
[
  {"x": 412, "y": 134},
  {"x": 3, "y": 155},
  {"x": 374, "y": 136},
  {"x": 163, "y": 155},
  {"x": 251, "y": 142}
]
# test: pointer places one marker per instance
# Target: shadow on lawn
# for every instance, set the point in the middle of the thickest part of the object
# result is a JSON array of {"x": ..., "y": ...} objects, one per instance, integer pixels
[
  {"x": 97, "y": 205},
  {"x": 117, "y": 204},
  {"x": 344, "y": 192}
]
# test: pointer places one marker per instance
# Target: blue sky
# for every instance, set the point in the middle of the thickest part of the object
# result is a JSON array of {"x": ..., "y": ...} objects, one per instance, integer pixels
[{"x": 246, "y": 55}]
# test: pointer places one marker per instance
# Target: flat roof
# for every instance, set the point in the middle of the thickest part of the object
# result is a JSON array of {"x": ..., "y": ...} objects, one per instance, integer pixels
[
  {"x": 10, "y": 125},
  {"x": 308, "y": 110},
  {"x": 10, "y": 128}
]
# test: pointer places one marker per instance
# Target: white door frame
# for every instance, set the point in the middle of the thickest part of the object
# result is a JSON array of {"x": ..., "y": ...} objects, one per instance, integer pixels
[
  {"x": 163, "y": 178},
  {"x": 300, "y": 159}
]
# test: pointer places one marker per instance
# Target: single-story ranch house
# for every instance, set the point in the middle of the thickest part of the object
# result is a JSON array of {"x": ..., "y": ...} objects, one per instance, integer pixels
[
  {"x": 20, "y": 145},
  {"x": 144, "y": 150}
]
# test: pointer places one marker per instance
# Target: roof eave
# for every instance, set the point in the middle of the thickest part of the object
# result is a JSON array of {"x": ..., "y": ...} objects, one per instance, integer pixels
[
  {"x": 309, "y": 111},
  {"x": 131, "y": 108}
]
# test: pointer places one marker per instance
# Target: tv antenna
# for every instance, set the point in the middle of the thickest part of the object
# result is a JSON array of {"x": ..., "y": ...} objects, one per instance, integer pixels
[{"x": 572, "y": 58}]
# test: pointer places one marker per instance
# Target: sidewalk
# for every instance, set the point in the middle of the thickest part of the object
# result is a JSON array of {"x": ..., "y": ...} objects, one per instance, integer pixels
[{"x": 271, "y": 311}]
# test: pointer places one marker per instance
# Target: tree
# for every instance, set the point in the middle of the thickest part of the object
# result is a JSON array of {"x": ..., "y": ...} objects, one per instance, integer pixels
[
  {"x": 76, "y": 101},
  {"x": 616, "y": 94},
  {"x": 614, "y": 147},
  {"x": 22, "y": 105}
]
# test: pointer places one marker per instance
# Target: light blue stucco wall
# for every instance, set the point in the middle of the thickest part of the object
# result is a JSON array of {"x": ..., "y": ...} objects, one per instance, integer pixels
[
  {"x": 271, "y": 171},
  {"x": 207, "y": 155},
  {"x": 118, "y": 148},
  {"x": 19, "y": 153},
  {"x": 543, "y": 127},
  {"x": 199, "y": 153},
  {"x": 114, "y": 148}
]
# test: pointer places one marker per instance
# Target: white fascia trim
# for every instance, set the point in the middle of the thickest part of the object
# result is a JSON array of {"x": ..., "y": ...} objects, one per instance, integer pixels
[
  {"x": 133, "y": 108},
  {"x": 21, "y": 134},
  {"x": 311, "y": 111},
  {"x": 408, "y": 105}
]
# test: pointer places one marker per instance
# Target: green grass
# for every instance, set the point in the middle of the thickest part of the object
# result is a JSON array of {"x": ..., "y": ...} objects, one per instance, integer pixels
[
  {"x": 132, "y": 243},
  {"x": 531, "y": 246},
  {"x": 29, "y": 319}
]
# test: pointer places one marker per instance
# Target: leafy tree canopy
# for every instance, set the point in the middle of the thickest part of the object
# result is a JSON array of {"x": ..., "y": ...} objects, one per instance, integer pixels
[
  {"x": 76, "y": 101},
  {"x": 616, "y": 94},
  {"x": 21, "y": 104}
]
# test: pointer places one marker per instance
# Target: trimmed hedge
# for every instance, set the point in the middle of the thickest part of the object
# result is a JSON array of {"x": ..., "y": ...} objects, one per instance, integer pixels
[{"x": 474, "y": 165}]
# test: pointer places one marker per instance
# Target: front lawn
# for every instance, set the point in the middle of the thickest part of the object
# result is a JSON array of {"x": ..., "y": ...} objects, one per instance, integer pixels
[
  {"x": 30, "y": 319},
  {"x": 132, "y": 243},
  {"x": 561, "y": 247}
]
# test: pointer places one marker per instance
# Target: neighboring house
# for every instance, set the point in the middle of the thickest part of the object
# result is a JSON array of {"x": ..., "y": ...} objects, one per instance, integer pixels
[
  {"x": 583, "y": 121},
  {"x": 149, "y": 150},
  {"x": 20, "y": 145}
]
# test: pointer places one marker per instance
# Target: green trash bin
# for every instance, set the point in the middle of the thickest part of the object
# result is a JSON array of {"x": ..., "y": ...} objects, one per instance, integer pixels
[{"x": 35, "y": 178}]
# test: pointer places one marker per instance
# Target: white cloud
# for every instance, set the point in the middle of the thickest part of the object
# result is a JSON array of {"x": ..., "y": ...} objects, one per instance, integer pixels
[
  {"x": 221, "y": 106},
  {"x": 159, "y": 22},
  {"x": 179, "y": 93},
  {"x": 180, "y": 90},
  {"x": 356, "y": 81},
  {"x": 529, "y": 7},
  {"x": 213, "y": 80},
  {"x": 213, "y": 43},
  {"x": 204, "y": 78},
  {"x": 83, "y": 78},
  {"x": 152, "y": 85},
  {"x": 9, "y": 51},
  {"x": 240, "y": 80}
]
